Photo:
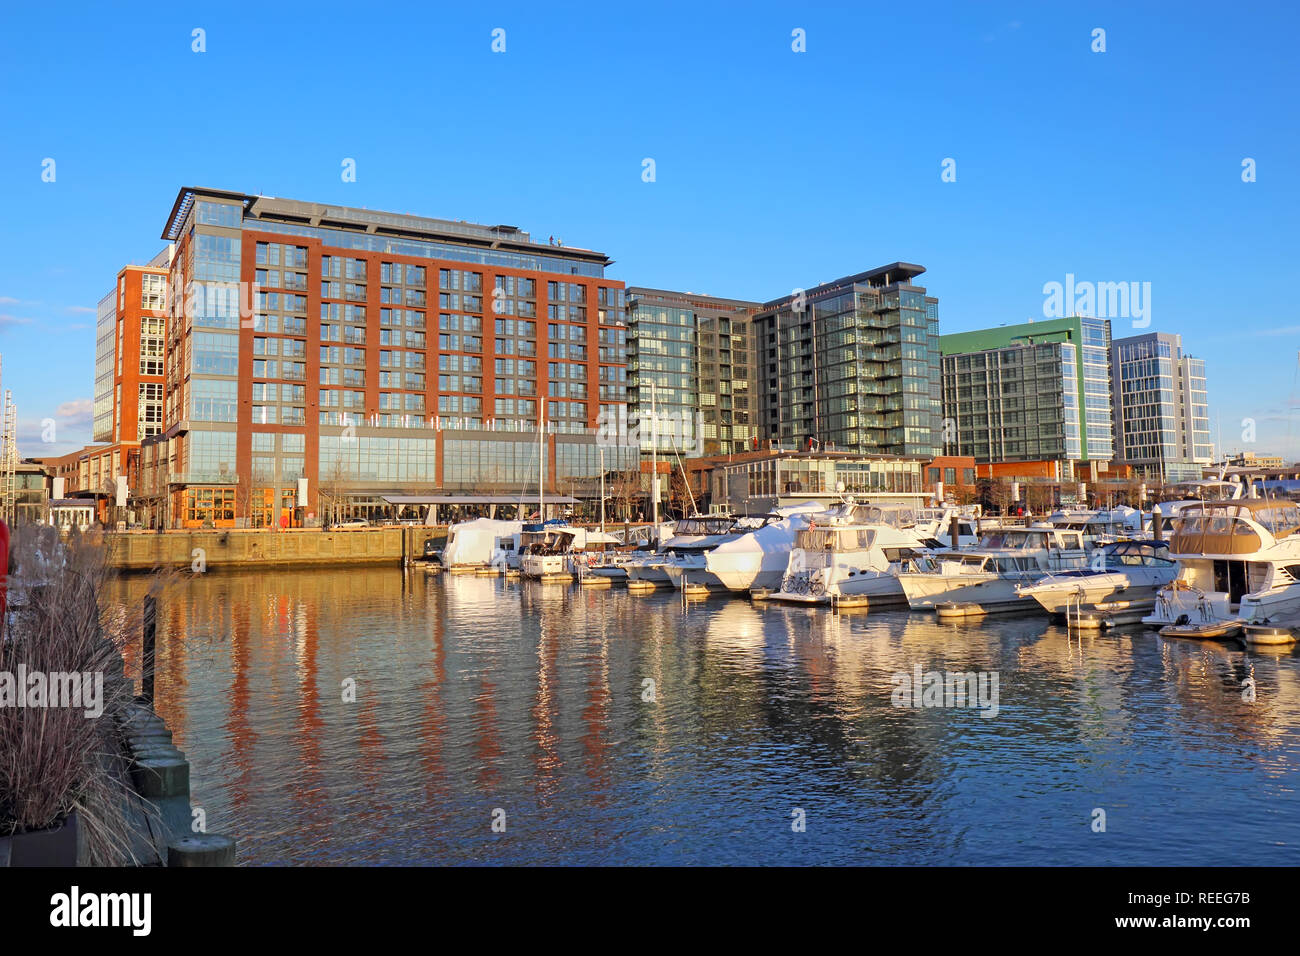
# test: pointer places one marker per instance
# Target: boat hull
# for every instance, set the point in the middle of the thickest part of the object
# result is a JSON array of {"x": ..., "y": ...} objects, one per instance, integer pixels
[
  {"x": 650, "y": 574},
  {"x": 748, "y": 570},
  {"x": 869, "y": 587},
  {"x": 992, "y": 593},
  {"x": 1058, "y": 597},
  {"x": 693, "y": 574}
]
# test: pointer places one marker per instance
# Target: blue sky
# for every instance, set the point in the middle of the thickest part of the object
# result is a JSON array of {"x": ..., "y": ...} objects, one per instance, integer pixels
[{"x": 773, "y": 169}]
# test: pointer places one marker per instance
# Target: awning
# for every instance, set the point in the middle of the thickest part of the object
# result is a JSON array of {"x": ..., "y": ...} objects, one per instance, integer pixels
[{"x": 526, "y": 501}]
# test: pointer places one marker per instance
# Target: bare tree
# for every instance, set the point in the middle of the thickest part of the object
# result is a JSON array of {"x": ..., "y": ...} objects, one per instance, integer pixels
[
  {"x": 678, "y": 496},
  {"x": 332, "y": 492},
  {"x": 1039, "y": 498},
  {"x": 244, "y": 500},
  {"x": 624, "y": 487},
  {"x": 997, "y": 493}
]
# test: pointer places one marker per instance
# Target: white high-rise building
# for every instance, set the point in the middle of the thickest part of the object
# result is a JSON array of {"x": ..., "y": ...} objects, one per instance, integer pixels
[{"x": 1161, "y": 408}]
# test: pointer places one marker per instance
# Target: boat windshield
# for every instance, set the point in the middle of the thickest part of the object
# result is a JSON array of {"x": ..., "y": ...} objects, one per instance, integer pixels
[
  {"x": 836, "y": 539},
  {"x": 897, "y": 516},
  {"x": 1006, "y": 539},
  {"x": 1210, "y": 519},
  {"x": 1013, "y": 565},
  {"x": 702, "y": 526},
  {"x": 1138, "y": 554},
  {"x": 1284, "y": 516},
  {"x": 1279, "y": 519},
  {"x": 1196, "y": 490}
]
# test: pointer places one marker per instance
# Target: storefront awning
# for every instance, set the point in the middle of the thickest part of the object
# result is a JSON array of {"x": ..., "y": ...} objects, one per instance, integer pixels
[{"x": 476, "y": 500}]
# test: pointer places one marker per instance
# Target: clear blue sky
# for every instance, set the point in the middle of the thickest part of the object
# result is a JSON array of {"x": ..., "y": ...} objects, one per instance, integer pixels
[{"x": 774, "y": 169}]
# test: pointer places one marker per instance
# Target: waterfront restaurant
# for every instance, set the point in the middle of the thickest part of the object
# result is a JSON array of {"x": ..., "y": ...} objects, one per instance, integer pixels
[
  {"x": 366, "y": 471},
  {"x": 759, "y": 485}
]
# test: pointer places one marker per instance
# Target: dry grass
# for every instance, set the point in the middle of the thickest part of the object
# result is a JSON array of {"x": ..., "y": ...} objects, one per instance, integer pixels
[{"x": 54, "y": 760}]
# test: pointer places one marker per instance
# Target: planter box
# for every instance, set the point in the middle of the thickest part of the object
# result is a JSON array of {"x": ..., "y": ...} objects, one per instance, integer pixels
[{"x": 63, "y": 844}]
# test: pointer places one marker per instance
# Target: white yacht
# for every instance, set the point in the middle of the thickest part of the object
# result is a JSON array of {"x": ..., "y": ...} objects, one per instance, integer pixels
[
  {"x": 1238, "y": 563},
  {"x": 480, "y": 543},
  {"x": 1127, "y": 571},
  {"x": 691, "y": 536},
  {"x": 758, "y": 558},
  {"x": 936, "y": 523},
  {"x": 852, "y": 555},
  {"x": 552, "y": 552},
  {"x": 984, "y": 579},
  {"x": 1099, "y": 527}
]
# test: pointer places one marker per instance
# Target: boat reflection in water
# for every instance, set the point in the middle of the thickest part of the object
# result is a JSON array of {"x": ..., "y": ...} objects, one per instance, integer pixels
[{"x": 615, "y": 728}]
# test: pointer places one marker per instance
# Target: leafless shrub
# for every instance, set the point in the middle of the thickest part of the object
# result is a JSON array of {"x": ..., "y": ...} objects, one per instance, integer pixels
[{"x": 54, "y": 760}]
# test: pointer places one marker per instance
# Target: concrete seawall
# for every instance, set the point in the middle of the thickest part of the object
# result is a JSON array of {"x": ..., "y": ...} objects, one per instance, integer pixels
[{"x": 239, "y": 549}]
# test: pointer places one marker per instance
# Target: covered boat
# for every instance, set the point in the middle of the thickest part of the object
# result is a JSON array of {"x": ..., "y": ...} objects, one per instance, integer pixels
[{"x": 481, "y": 543}]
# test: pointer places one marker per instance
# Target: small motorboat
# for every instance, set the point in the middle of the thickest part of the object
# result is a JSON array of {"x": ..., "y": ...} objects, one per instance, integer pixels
[
  {"x": 1269, "y": 634},
  {"x": 1208, "y": 630}
]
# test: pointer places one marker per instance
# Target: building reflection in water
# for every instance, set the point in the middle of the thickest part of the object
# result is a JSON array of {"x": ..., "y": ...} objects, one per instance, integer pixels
[{"x": 474, "y": 694}]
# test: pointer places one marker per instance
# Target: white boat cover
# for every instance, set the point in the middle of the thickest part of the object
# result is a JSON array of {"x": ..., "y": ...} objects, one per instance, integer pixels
[
  {"x": 777, "y": 537},
  {"x": 584, "y": 538},
  {"x": 474, "y": 542}
]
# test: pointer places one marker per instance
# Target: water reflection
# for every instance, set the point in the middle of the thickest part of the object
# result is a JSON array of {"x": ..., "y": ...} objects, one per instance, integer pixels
[{"x": 620, "y": 728}]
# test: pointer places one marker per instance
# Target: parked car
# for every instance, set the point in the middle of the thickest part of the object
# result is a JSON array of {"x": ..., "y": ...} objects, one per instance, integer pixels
[{"x": 353, "y": 523}]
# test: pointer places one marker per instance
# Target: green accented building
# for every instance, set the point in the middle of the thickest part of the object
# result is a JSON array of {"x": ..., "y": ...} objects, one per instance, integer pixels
[{"x": 1039, "y": 391}]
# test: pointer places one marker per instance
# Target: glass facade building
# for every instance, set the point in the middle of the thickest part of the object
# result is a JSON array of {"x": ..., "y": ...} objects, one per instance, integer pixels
[
  {"x": 697, "y": 352},
  {"x": 1040, "y": 391},
  {"x": 128, "y": 385},
  {"x": 782, "y": 478},
  {"x": 105, "y": 361},
  {"x": 852, "y": 365},
  {"x": 1161, "y": 407},
  {"x": 343, "y": 345}
]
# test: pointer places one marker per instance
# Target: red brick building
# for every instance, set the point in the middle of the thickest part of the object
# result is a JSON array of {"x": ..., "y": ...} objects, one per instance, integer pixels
[
  {"x": 128, "y": 389},
  {"x": 320, "y": 355}
]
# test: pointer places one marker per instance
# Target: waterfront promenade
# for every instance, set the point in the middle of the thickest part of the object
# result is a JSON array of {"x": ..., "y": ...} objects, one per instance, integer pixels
[
  {"x": 238, "y": 548},
  {"x": 214, "y": 549}
]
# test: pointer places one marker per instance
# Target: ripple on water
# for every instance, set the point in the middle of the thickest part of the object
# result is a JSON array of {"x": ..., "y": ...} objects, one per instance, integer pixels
[{"x": 611, "y": 728}]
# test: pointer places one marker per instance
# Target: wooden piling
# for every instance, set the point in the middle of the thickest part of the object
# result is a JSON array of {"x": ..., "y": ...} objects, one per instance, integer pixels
[{"x": 150, "y": 648}]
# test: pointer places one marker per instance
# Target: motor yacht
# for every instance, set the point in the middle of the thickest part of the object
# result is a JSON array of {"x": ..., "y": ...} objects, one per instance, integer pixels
[
  {"x": 554, "y": 552},
  {"x": 758, "y": 558},
  {"x": 1100, "y": 527},
  {"x": 852, "y": 555},
  {"x": 481, "y": 543},
  {"x": 984, "y": 579},
  {"x": 690, "y": 537},
  {"x": 1123, "y": 571},
  {"x": 1238, "y": 563}
]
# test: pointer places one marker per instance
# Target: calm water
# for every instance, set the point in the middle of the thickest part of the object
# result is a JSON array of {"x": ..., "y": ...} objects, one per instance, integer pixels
[{"x": 474, "y": 694}]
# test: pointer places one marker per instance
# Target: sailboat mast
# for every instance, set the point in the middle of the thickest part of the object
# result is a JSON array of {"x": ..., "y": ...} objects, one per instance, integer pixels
[
  {"x": 654, "y": 457},
  {"x": 541, "y": 462}
]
